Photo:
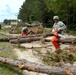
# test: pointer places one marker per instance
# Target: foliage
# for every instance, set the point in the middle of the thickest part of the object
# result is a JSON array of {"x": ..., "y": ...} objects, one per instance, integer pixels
[
  {"x": 72, "y": 27},
  {"x": 8, "y": 22},
  {"x": 8, "y": 70},
  {"x": 32, "y": 10},
  {"x": 65, "y": 56},
  {"x": 44, "y": 10}
]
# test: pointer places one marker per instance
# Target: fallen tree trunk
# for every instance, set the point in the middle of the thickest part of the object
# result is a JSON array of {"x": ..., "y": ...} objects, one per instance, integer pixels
[
  {"x": 66, "y": 40},
  {"x": 4, "y": 39},
  {"x": 18, "y": 36},
  {"x": 30, "y": 39},
  {"x": 36, "y": 35},
  {"x": 26, "y": 37},
  {"x": 25, "y": 40},
  {"x": 34, "y": 67}
]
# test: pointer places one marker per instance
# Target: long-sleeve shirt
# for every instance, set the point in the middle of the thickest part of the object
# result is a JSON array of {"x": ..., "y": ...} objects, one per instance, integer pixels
[{"x": 59, "y": 25}]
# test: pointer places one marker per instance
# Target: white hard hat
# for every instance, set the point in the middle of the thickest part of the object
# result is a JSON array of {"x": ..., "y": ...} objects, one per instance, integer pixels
[
  {"x": 56, "y": 17},
  {"x": 24, "y": 28}
]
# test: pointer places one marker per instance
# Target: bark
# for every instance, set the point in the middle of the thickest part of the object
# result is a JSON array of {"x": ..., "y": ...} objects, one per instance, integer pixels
[
  {"x": 25, "y": 40},
  {"x": 4, "y": 39},
  {"x": 67, "y": 40},
  {"x": 22, "y": 37},
  {"x": 35, "y": 67},
  {"x": 36, "y": 35},
  {"x": 18, "y": 36},
  {"x": 30, "y": 39}
]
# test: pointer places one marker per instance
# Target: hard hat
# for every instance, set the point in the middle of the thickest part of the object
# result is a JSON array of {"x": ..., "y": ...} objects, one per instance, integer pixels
[
  {"x": 56, "y": 17},
  {"x": 24, "y": 28}
]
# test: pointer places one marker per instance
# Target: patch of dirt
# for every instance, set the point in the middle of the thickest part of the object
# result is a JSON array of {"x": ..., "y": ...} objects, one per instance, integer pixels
[{"x": 28, "y": 55}]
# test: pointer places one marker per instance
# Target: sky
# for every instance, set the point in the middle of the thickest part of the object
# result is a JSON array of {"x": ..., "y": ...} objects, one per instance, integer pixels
[{"x": 9, "y": 9}]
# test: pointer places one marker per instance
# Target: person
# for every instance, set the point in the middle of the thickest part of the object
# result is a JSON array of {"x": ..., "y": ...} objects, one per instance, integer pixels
[
  {"x": 24, "y": 31},
  {"x": 57, "y": 30}
]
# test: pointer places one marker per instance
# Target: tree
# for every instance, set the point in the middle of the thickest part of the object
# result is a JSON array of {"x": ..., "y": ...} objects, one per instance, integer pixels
[
  {"x": 5, "y": 21},
  {"x": 33, "y": 10},
  {"x": 44, "y": 10},
  {"x": 8, "y": 22}
]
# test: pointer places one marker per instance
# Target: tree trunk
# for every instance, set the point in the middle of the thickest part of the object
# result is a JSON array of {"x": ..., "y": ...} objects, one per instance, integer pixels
[
  {"x": 4, "y": 39},
  {"x": 18, "y": 36},
  {"x": 23, "y": 39},
  {"x": 67, "y": 18},
  {"x": 30, "y": 39},
  {"x": 31, "y": 66}
]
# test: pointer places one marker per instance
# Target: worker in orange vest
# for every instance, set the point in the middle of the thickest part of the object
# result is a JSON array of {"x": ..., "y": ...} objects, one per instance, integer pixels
[
  {"x": 24, "y": 31},
  {"x": 57, "y": 29}
]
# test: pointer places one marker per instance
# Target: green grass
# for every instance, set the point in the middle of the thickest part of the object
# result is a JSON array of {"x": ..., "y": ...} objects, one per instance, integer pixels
[
  {"x": 1, "y": 35},
  {"x": 9, "y": 70},
  {"x": 72, "y": 32},
  {"x": 6, "y": 50}
]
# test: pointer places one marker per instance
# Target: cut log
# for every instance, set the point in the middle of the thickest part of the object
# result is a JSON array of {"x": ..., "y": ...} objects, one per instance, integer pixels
[
  {"x": 4, "y": 39},
  {"x": 16, "y": 40},
  {"x": 66, "y": 40},
  {"x": 30, "y": 39},
  {"x": 22, "y": 37},
  {"x": 18, "y": 36},
  {"x": 7, "y": 39},
  {"x": 34, "y": 67},
  {"x": 25, "y": 40}
]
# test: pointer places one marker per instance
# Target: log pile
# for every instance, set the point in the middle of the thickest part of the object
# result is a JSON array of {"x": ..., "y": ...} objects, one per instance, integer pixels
[
  {"x": 24, "y": 39},
  {"x": 30, "y": 38},
  {"x": 34, "y": 67}
]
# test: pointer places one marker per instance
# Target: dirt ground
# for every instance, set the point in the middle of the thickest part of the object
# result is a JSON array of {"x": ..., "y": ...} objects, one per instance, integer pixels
[{"x": 29, "y": 52}]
